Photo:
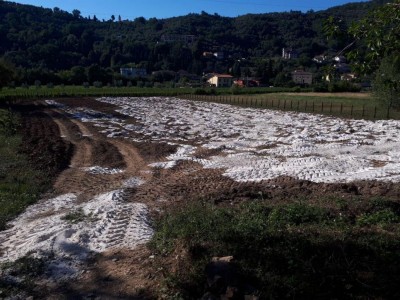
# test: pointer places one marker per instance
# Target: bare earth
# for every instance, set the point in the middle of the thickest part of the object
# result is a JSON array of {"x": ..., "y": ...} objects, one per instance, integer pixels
[{"x": 116, "y": 264}]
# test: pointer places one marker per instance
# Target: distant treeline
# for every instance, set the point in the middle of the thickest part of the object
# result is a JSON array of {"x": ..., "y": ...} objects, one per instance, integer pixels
[{"x": 52, "y": 45}]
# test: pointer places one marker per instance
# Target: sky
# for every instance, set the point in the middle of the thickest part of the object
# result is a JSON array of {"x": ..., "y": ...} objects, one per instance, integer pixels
[{"x": 131, "y": 9}]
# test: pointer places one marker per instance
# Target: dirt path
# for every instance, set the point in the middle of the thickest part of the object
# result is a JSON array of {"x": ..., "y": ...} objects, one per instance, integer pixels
[{"x": 110, "y": 179}]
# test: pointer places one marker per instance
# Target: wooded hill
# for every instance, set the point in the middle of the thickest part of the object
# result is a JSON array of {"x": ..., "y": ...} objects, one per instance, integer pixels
[{"x": 52, "y": 45}]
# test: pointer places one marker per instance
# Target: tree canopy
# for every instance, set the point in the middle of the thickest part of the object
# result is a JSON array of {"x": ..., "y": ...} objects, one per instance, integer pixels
[{"x": 45, "y": 44}]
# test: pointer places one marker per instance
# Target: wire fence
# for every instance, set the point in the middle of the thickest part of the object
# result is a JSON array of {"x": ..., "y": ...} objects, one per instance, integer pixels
[{"x": 334, "y": 108}]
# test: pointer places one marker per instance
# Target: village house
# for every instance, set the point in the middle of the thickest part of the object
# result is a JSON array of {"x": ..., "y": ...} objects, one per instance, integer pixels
[
  {"x": 348, "y": 77},
  {"x": 246, "y": 82},
  {"x": 133, "y": 72},
  {"x": 182, "y": 38},
  {"x": 289, "y": 53},
  {"x": 221, "y": 80},
  {"x": 320, "y": 59},
  {"x": 302, "y": 77}
]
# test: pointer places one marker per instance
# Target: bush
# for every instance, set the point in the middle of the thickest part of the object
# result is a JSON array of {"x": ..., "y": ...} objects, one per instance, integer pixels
[
  {"x": 343, "y": 86},
  {"x": 296, "y": 214},
  {"x": 200, "y": 92},
  {"x": 320, "y": 88},
  {"x": 98, "y": 84},
  {"x": 381, "y": 217}
]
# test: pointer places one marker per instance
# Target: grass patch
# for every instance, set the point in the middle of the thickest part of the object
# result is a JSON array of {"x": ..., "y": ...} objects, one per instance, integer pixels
[
  {"x": 20, "y": 183},
  {"x": 350, "y": 105},
  {"x": 77, "y": 216},
  {"x": 293, "y": 250},
  {"x": 81, "y": 91}
]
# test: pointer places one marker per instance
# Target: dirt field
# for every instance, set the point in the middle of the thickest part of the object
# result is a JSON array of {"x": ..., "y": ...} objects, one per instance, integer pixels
[{"x": 128, "y": 170}]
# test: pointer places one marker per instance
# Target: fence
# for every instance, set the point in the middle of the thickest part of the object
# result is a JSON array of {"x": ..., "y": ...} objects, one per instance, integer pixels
[{"x": 335, "y": 108}]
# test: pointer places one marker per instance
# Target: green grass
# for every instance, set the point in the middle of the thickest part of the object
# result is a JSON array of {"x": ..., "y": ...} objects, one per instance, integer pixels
[
  {"x": 352, "y": 105},
  {"x": 80, "y": 91},
  {"x": 294, "y": 250},
  {"x": 20, "y": 183}
]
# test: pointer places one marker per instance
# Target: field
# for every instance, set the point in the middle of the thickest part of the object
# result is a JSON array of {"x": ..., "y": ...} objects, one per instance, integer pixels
[{"x": 157, "y": 197}]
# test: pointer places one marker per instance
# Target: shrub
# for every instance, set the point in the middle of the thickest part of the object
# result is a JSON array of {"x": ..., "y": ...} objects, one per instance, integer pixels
[
  {"x": 98, "y": 84},
  {"x": 381, "y": 217},
  {"x": 200, "y": 92},
  {"x": 297, "y": 214}
]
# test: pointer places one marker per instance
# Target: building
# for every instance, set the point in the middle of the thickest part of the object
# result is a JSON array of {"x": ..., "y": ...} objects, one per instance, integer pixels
[
  {"x": 221, "y": 80},
  {"x": 320, "y": 59},
  {"x": 302, "y": 77},
  {"x": 173, "y": 38},
  {"x": 348, "y": 77},
  {"x": 289, "y": 53},
  {"x": 133, "y": 72},
  {"x": 246, "y": 82},
  {"x": 219, "y": 55}
]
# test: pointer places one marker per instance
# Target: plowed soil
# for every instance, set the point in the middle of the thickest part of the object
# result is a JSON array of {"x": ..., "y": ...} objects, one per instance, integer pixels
[{"x": 131, "y": 274}]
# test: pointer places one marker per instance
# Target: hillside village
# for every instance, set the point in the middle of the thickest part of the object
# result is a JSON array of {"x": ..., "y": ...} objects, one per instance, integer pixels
[{"x": 275, "y": 49}]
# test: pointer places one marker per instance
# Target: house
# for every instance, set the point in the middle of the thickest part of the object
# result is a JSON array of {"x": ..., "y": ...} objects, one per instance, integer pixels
[
  {"x": 289, "y": 53},
  {"x": 246, "y": 82},
  {"x": 219, "y": 55},
  {"x": 342, "y": 68},
  {"x": 133, "y": 72},
  {"x": 320, "y": 59},
  {"x": 348, "y": 77},
  {"x": 302, "y": 77},
  {"x": 208, "y": 54},
  {"x": 173, "y": 38},
  {"x": 221, "y": 80},
  {"x": 340, "y": 59}
]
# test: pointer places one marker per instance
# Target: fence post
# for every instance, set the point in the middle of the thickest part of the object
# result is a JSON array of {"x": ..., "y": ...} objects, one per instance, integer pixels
[
  {"x": 284, "y": 104},
  {"x": 298, "y": 105},
  {"x": 291, "y": 104}
]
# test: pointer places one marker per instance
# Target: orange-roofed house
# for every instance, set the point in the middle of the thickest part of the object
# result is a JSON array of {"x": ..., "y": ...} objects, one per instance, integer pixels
[{"x": 221, "y": 80}]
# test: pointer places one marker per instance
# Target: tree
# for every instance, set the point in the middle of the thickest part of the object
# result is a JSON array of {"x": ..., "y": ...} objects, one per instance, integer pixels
[
  {"x": 6, "y": 74},
  {"x": 76, "y": 13},
  {"x": 374, "y": 48},
  {"x": 377, "y": 35},
  {"x": 387, "y": 81}
]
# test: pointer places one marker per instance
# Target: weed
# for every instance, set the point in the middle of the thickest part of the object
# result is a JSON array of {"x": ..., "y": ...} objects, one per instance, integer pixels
[
  {"x": 296, "y": 214},
  {"x": 292, "y": 250},
  {"x": 75, "y": 216},
  {"x": 381, "y": 217}
]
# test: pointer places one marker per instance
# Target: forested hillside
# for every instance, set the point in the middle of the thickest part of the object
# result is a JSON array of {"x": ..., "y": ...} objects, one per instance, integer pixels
[{"x": 51, "y": 45}]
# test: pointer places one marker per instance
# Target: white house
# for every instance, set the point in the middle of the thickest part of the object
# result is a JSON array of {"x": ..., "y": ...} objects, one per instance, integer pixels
[
  {"x": 302, "y": 77},
  {"x": 133, "y": 72},
  {"x": 289, "y": 53},
  {"x": 221, "y": 80}
]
